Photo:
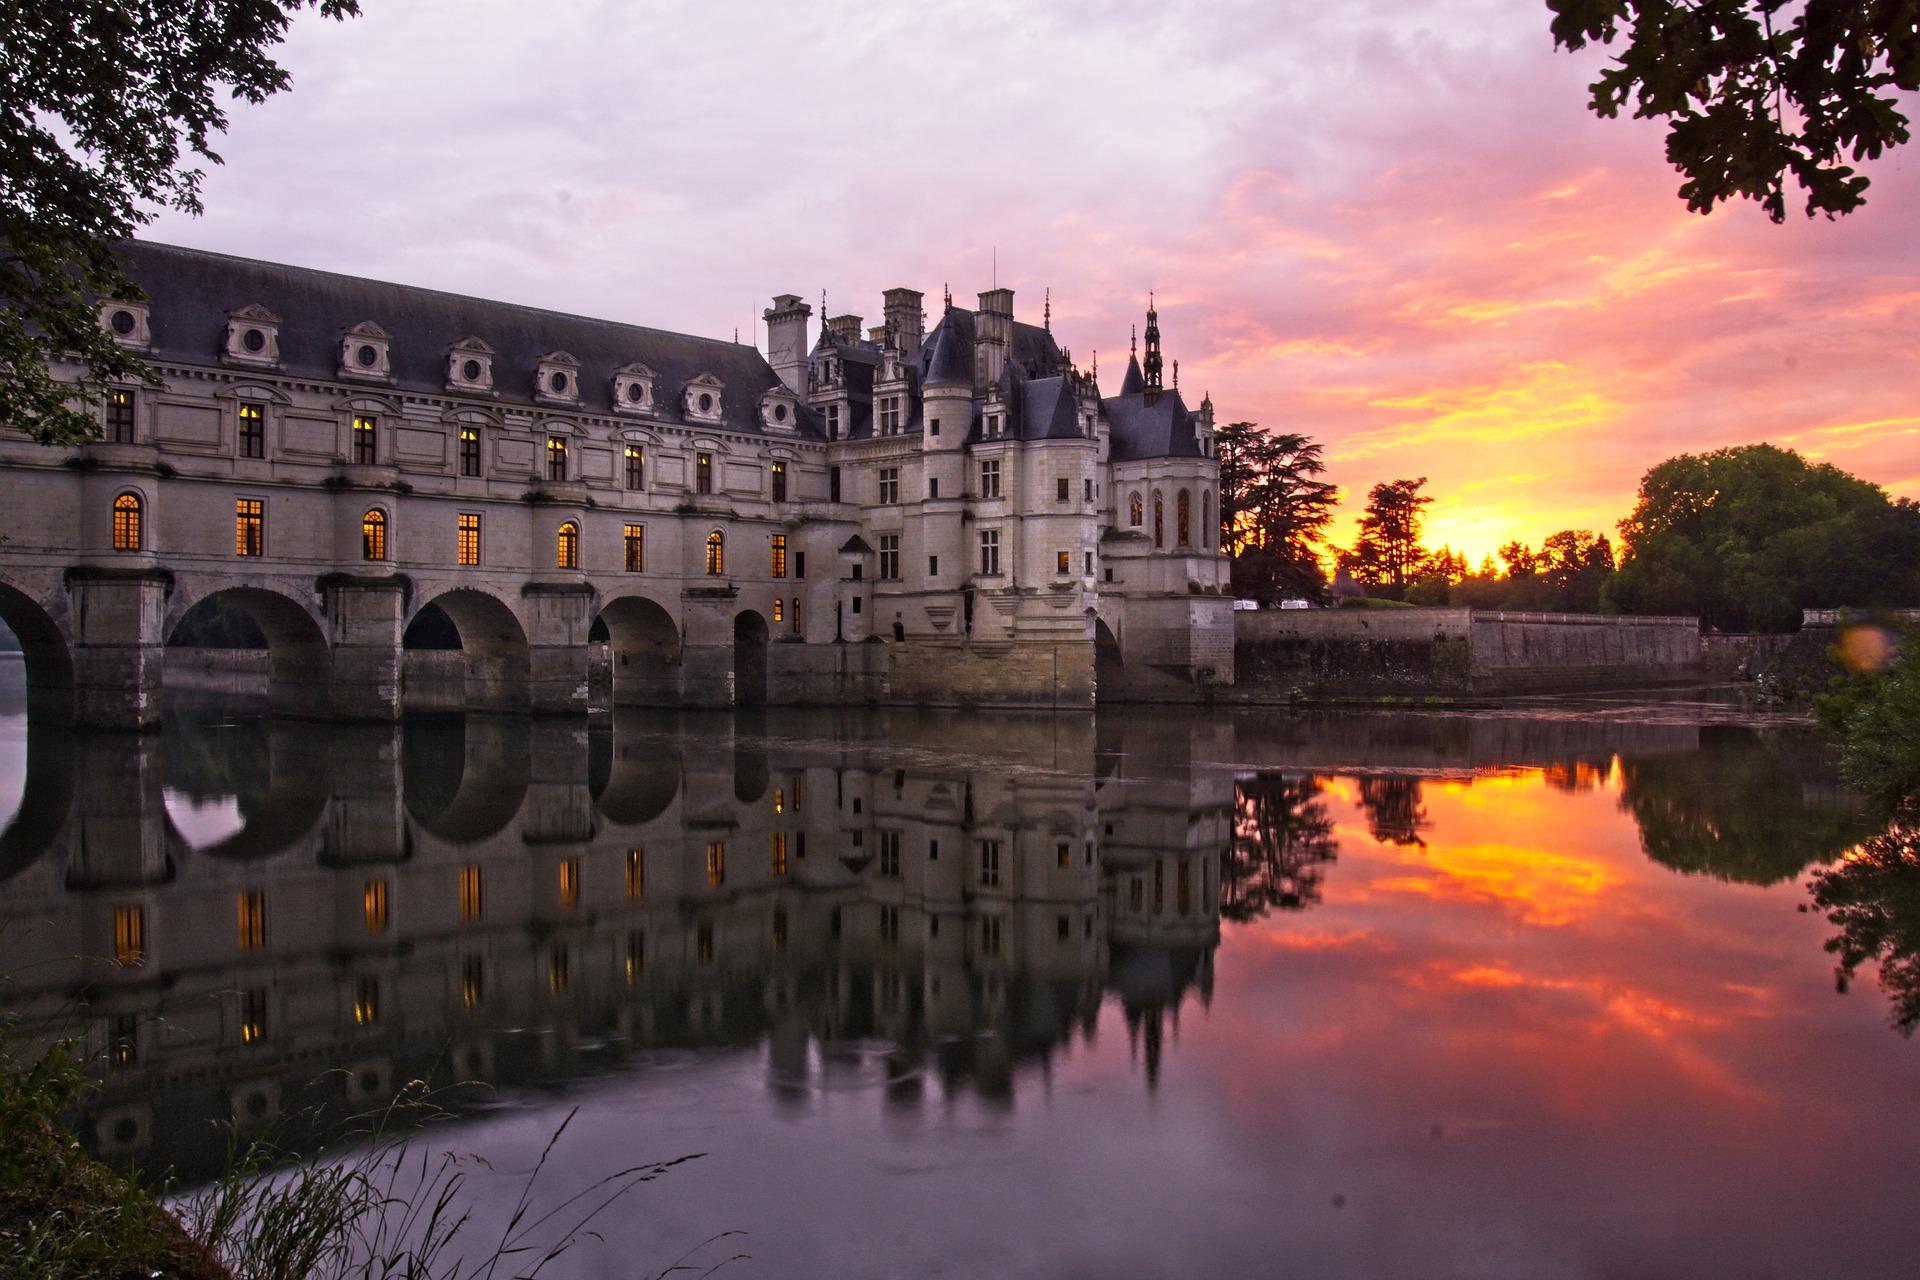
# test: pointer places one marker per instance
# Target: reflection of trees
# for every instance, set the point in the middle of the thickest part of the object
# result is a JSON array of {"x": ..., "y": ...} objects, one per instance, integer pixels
[
  {"x": 1873, "y": 898},
  {"x": 1745, "y": 807},
  {"x": 1394, "y": 812},
  {"x": 1282, "y": 837}
]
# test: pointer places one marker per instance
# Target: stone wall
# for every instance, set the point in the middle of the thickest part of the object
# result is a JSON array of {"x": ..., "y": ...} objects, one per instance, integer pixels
[
  {"x": 1454, "y": 652},
  {"x": 1017, "y": 674}
]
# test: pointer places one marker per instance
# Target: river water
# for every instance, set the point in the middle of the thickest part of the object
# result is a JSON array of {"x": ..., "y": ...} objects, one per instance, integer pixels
[{"x": 1535, "y": 994}]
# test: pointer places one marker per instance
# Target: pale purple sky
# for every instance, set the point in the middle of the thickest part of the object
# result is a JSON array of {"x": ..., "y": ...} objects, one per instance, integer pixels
[{"x": 1391, "y": 226}]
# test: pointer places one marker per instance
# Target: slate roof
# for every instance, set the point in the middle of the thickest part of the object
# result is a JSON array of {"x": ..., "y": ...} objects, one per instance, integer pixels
[
  {"x": 1163, "y": 429},
  {"x": 946, "y": 354},
  {"x": 192, "y": 290},
  {"x": 1035, "y": 351},
  {"x": 1135, "y": 382}
]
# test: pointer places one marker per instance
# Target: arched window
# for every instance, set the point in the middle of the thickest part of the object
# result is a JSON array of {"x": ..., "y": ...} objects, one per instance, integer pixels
[
  {"x": 567, "y": 549},
  {"x": 1133, "y": 511},
  {"x": 1183, "y": 518},
  {"x": 716, "y": 553},
  {"x": 373, "y": 535},
  {"x": 1206, "y": 519},
  {"x": 1159, "y": 520},
  {"x": 127, "y": 532}
]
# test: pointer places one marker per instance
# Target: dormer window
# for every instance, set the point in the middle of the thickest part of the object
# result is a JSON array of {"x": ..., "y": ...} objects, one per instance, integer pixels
[
  {"x": 127, "y": 322},
  {"x": 253, "y": 337},
  {"x": 364, "y": 353},
  {"x": 556, "y": 379},
  {"x": 633, "y": 389},
  {"x": 705, "y": 398},
  {"x": 779, "y": 410},
  {"x": 470, "y": 367}
]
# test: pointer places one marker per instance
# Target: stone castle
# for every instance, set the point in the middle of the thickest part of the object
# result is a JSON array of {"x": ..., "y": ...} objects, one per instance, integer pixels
[{"x": 435, "y": 501}]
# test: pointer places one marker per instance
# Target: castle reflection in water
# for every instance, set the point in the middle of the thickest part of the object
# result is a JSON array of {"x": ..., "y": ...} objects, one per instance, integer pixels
[{"x": 513, "y": 900}]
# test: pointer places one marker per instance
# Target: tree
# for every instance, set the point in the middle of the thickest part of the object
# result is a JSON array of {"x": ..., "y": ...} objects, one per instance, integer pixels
[
  {"x": 1283, "y": 838},
  {"x": 1755, "y": 90},
  {"x": 1388, "y": 555},
  {"x": 100, "y": 101},
  {"x": 1575, "y": 565},
  {"x": 1748, "y": 537},
  {"x": 1274, "y": 509}
]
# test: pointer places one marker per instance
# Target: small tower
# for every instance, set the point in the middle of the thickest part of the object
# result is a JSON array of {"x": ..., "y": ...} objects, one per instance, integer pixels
[
  {"x": 1150, "y": 367},
  {"x": 906, "y": 321},
  {"x": 787, "y": 340}
]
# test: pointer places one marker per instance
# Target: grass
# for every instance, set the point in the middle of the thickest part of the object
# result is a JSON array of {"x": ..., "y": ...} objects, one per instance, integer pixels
[{"x": 390, "y": 1208}]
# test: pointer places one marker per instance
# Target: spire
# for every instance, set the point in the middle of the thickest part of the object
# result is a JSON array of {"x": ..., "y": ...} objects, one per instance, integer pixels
[
  {"x": 1096, "y": 364},
  {"x": 1133, "y": 340},
  {"x": 1176, "y": 375},
  {"x": 1150, "y": 367},
  {"x": 1046, "y": 315},
  {"x": 948, "y": 295}
]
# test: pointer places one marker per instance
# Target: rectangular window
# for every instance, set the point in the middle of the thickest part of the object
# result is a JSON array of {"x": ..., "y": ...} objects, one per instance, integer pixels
[
  {"x": 253, "y": 431},
  {"x": 1087, "y": 556},
  {"x": 366, "y": 433},
  {"x": 373, "y": 905},
  {"x": 559, "y": 971},
  {"x": 933, "y": 426},
  {"x": 636, "y": 467},
  {"x": 634, "y": 537},
  {"x": 933, "y": 486},
  {"x": 472, "y": 902},
  {"x": 703, "y": 473},
  {"x": 636, "y": 875},
  {"x": 123, "y": 1040},
  {"x": 366, "y": 1002},
  {"x": 990, "y": 936},
  {"x": 779, "y": 854},
  {"x": 1088, "y": 495},
  {"x": 1061, "y": 489},
  {"x": 1063, "y": 562},
  {"x": 989, "y": 863},
  {"x": 778, "y": 474},
  {"x": 993, "y": 426},
  {"x": 703, "y": 942},
  {"x": 253, "y": 1015},
  {"x": 890, "y": 416},
  {"x": 833, "y": 484},
  {"x": 989, "y": 552},
  {"x": 120, "y": 416},
  {"x": 795, "y": 615},
  {"x": 779, "y": 609},
  {"x": 799, "y": 564},
  {"x": 1063, "y": 853},
  {"x": 889, "y": 556},
  {"x": 249, "y": 527},
  {"x": 833, "y": 422},
  {"x": 889, "y": 485},
  {"x": 469, "y": 451},
  {"x": 779, "y": 555},
  {"x": 717, "y": 863},
  {"x": 569, "y": 883},
  {"x": 856, "y": 604},
  {"x": 473, "y": 981},
  {"x": 990, "y": 478},
  {"x": 129, "y": 936},
  {"x": 556, "y": 457},
  {"x": 469, "y": 538},
  {"x": 890, "y": 854},
  {"x": 933, "y": 566},
  {"x": 253, "y": 919},
  {"x": 636, "y": 955},
  {"x": 889, "y": 924}
]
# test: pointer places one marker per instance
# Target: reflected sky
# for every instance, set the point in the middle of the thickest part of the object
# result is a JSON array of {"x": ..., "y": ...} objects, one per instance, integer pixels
[{"x": 1327, "y": 995}]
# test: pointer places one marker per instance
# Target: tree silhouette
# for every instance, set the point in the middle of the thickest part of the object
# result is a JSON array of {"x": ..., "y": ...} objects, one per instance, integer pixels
[
  {"x": 1873, "y": 898},
  {"x": 1274, "y": 509},
  {"x": 1395, "y": 814},
  {"x": 1282, "y": 841},
  {"x": 1387, "y": 556}
]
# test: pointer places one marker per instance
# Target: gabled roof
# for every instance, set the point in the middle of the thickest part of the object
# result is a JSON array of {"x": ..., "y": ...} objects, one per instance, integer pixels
[{"x": 193, "y": 292}]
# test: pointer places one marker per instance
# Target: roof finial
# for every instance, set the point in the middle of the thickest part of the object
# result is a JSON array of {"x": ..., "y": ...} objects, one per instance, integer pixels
[
  {"x": 736, "y": 335},
  {"x": 1046, "y": 316},
  {"x": 1096, "y": 364},
  {"x": 1176, "y": 375},
  {"x": 1133, "y": 340},
  {"x": 947, "y": 292}
]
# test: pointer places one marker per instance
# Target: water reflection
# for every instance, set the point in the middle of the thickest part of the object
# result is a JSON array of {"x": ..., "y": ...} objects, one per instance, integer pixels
[{"x": 1873, "y": 898}]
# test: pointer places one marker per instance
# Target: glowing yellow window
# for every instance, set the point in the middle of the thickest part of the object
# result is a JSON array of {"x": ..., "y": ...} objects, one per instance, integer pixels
[
  {"x": 253, "y": 1015},
  {"x": 569, "y": 883},
  {"x": 471, "y": 904},
  {"x": 373, "y": 905},
  {"x": 567, "y": 547},
  {"x": 249, "y": 527},
  {"x": 717, "y": 863},
  {"x": 779, "y": 555},
  {"x": 559, "y": 971},
  {"x": 366, "y": 1002},
  {"x": 473, "y": 982},
  {"x": 779, "y": 610},
  {"x": 253, "y": 919},
  {"x": 373, "y": 535},
  {"x": 469, "y": 538},
  {"x": 716, "y": 553},
  {"x": 779, "y": 799},
  {"x": 127, "y": 533},
  {"x": 636, "y": 874},
  {"x": 129, "y": 936},
  {"x": 779, "y": 853},
  {"x": 636, "y": 956}
]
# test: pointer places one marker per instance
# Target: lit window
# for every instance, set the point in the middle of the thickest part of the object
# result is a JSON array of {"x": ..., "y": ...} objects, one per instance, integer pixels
[
  {"x": 779, "y": 853},
  {"x": 366, "y": 1002},
  {"x": 1063, "y": 562},
  {"x": 469, "y": 451},
  {"x": 566, "y": 553},
  {"x": 779, "y": 610},
  {"x": 716, "y": 553},
  {"x": 373, "y": 535},
  {"x": 569, "y": 883},
  {"x": 471, "y": 902},
  {"x": 635, "y": 538},
  {"x": 253, "y": 431},
  {"x": 703, "y": 473},
  {"x": 779, "y": 555},
  {"x": 253, "y": 1015},
  {"x": 373, "y": 905},
  {"x": 469, "y": 538},
  {"x": 120, "y": 416},
  {"x": 636, "y": 955},
  {"x": 636, "y": 874},
  {"x": 126, "y": 522},
  {"x": 253, "y": 919},
  {"x": 249, "y": 527},
  {"x": 779, "y": 473},
  {"x": 636, "y": 467},
  {"x": 129, "y": 936},
  {"x": 556, "y": 457},
  {"x": 717, "y": 863},
  {"x": 473, "y": 982},
  {"x": 365, "y": 434}
]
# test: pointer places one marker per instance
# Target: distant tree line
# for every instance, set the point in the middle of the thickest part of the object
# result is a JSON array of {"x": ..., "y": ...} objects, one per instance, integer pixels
[{"x": 1744, "y": 538}]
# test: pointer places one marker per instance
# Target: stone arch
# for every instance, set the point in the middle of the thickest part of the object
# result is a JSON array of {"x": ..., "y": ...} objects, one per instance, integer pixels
[
  {"x": 279, "y": 777},
  {"x": 633, "y": 779},
  {"x": 750, "y": 638},
  {"x": 464, "y": 777},
  {"x": 46, "y": 799},
  {"x": 493, "y": 670},
  {"x": 299, "y": 661},
  {"x": 643, "y": 652},
  {"x": 45, "y": 655},
  {"x": 1107, "y": 664}
]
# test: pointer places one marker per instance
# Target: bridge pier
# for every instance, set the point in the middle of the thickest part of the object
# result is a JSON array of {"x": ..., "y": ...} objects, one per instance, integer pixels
[
  {"x": 118, "y": 645},
  {"x": 558, "y": 617},
  {"x": 366, "y": 618},
  {"x": 119, "y": 837}
]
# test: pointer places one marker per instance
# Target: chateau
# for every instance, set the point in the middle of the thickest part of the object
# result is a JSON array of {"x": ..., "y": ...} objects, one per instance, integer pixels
[{"x": 426, "y": 500}]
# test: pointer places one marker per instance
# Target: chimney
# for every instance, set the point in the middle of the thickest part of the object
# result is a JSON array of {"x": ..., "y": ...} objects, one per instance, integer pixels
[
  {"x": 906, "y": 321},
  {"x": 787, "y": 340},
  {"x": 846, "y": 328}
]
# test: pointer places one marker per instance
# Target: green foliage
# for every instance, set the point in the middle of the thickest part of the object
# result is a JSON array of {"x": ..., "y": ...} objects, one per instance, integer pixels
[
  {"x": 1747, "y": 537},
  {"x": 1387, "y": 556},
  {"x": 1274, "y": 510},
  {"x": 1757, "y": 90},
  {"x": 103, "y": 104},
  {"x": 1873, "y": 899},
  {"x": 1879, "y": 719},
  {"x": 1567, "y": 575}
]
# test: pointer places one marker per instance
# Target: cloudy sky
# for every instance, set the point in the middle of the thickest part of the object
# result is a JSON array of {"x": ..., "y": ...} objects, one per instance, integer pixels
[{"x": 1389, "y": 224}]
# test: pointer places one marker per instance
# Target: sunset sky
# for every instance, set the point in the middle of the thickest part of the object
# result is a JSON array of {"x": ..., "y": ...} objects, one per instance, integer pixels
[{"x": 1391, "y": 226}]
